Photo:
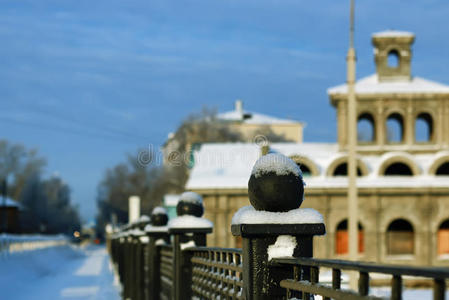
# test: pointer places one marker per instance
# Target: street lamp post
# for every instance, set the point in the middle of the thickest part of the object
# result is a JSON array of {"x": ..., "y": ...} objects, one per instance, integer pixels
[{"x": 352, "y": 140}]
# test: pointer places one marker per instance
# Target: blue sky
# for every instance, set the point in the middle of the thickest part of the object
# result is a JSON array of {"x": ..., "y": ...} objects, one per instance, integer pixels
[{"x": 86, "y": 82}]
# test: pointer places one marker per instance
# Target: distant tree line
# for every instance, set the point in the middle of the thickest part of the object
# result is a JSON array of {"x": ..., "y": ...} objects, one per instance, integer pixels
[
  {"x": 152, "y": 181},
  {"x": 46, "y": 206}
]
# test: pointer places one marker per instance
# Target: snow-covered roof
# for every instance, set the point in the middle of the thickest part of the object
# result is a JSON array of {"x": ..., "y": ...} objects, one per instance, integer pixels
[
  {"x": 372, "y": 85},
  {"x": 228, "y": 166},
  {"x": 249, "y": 117},
  {"x": 393, "y": 33},
  {"x": 224, "y": 165},
  {"x": 171, "y": 199}
]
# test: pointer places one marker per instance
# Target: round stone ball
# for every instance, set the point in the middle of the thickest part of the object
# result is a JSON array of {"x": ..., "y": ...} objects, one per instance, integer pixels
[
  {"x": 190, "y": 203},
  {"x": 276, "y": 193},
  {"x": 159, "y": 219}
]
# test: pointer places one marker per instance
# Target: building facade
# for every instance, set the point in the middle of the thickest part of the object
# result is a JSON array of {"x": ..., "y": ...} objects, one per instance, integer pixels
[{"x": 403, "y": 167}]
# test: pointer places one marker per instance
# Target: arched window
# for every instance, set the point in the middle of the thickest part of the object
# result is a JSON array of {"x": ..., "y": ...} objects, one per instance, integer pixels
[
  {"x": 400, "y": 238},
  {"x": 305, "y": 170},
  {"x": 366, "y": 128},
  {"x": 393, "y": 59},
  {"x": 398, "y": 169},
  {"x": 443, "y": 169},
  {"x": 307, "y": 166},
  {"x": 342, "y": 239},
  {"x": 395, "y": 128},
  {"x": 423, "y": 128},
  {"x": 342, "y": 170},
  {"x": 443, "y": 238}
]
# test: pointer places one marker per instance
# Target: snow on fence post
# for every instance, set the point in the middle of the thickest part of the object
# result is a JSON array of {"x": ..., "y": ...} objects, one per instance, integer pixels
[
  {"x": 157, "y": 234},
  {"x": 189, "y": 230},
  {"x": 274, "y": 226}
]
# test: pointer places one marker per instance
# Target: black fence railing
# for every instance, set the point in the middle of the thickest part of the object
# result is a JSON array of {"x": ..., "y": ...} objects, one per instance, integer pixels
[
  {"x": 217, "y": 273},
  {"x": 160, "y": 261},
  {"x": 296, "y": 285},
  {"x": 167, "y": 265}
]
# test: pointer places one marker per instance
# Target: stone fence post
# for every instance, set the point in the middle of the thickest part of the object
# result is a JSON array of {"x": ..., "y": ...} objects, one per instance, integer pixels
[
  {"x": 274, "y": 226},
  {"x": 157, "y": 234},
  {"x": 188, "y": 230}
]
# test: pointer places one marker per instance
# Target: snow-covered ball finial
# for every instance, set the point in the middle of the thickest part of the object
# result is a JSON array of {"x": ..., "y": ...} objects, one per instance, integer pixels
[
  {"x": 190, "y": 203},
  {"x": 159, "y": 216},
  {"x": 275, "y": 184}
]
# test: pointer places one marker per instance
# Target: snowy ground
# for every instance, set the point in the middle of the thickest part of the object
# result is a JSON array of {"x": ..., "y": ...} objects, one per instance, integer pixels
[{"x": 65, "y": 272}]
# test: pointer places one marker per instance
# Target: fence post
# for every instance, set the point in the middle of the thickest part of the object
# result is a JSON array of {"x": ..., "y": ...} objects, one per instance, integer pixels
[
  {"x": 274, "y": 226},
  {"x": 127, "y": 265},
  {"x": 140, "y": 241},
  {"x": 188, "y": 230},
  {"x": 157, "y": 233}
]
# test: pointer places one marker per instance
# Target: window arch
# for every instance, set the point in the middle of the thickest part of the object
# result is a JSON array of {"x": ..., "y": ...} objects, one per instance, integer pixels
[
  {"x": 400, "y": 237},
  {"x": 443, "y": 169},
  {"x": 395, "y": 128},
  {"x": 440, "y": 164},
  {"x": 307, "y": 166},
  {"x": 443, "y": 238},
  {"x": 305, "y": 170},
  {"x": 342, "y": 238},
  {"x": 398, "y": 164},
  {"x": 366, "y": 128},
  {"x": 342, "y": 170},
  {"x": 423, "y": 128},
  {"x": 339, "y": 167},
  {"x": 398, "y": 169},
  {"x": 393, "y": 59}
]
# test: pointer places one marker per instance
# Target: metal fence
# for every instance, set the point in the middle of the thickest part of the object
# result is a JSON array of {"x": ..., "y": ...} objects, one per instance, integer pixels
[
  {"x": 296, "y": 286},
  {"x": 150, "y": 268},
  {"x": 217, "y": 273}
]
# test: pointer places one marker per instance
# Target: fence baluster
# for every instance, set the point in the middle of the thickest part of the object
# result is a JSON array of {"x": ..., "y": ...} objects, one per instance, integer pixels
[
  {"x": 363, "y": 283},
  {"x": 439, "y": 287}
]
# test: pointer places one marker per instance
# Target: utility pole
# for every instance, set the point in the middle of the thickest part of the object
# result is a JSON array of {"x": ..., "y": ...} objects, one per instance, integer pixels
[{"x": 352, "y": 140}]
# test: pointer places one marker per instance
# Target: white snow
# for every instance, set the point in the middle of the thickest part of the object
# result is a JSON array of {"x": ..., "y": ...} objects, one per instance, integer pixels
[
  {"x": 187, "y": 245},
  {"x": 191, "y": 197},
  {"x": 158, "y": 210},
  {"x": 151, "y": 228},
  {"x": 159, "y": 242},
  {"x": 393, "y": 33},
  {"x": 249, "y": 215},
  {"x": 91, "y": 266},
  {"x": 283, "y": 247},
  {"x": 10, "y": 203},
  {"x": 275, "y": 163},
  {"x": 58, "y": 273},
  {"x": 171, "y": 199},
  {"x": 10, "y": 243},
  {"x": 136, "y": 232},
  {"x": 189, "y": 222},
  {"x": 252, "y": 118},
  {"x": 223, "y": 165},
  {"x": 372, "y": 85},
  {"x": 144, "y": 218},
  {"x": 228, "y": 166},
  {"x": 144, "y": 239}
]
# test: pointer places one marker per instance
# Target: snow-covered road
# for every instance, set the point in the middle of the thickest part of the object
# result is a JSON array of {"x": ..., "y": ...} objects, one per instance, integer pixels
[{"x": 65, "y": 272}]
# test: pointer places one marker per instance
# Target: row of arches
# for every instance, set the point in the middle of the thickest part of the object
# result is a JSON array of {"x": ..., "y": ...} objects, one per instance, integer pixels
[
  {"x": 393, "y": 166},
  {"x": 394, "y": 127},
  {"x": 400, "y": 238}
]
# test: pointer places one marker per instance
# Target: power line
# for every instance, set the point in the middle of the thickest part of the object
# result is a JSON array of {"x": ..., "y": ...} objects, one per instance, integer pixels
[{"x": 45, "y": 127}]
